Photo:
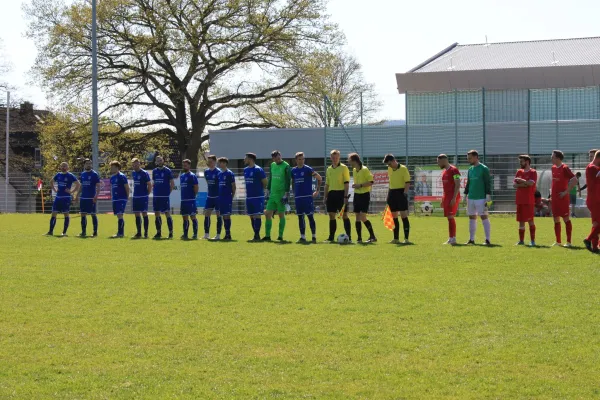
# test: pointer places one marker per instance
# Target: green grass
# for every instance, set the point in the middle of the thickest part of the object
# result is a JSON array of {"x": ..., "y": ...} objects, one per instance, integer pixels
[{"x": 99, "y": 318}]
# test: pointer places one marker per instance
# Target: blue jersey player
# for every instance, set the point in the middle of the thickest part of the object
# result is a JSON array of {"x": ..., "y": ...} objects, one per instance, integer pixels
[
  {"x": 227, "y": 188},
  {"x": 142, "y": 185},
  {"x": 119, "y": 190},
  {"x": 304, "y": 193},
  {"x": 256, "y": 182},
  {"x": 90, "y": 189},
  {"x": 163, "y": 186},
  {"x": 188, "y": 185},
  {"x": 62, "y": 184},
  {"x": 211, "y": 175}
]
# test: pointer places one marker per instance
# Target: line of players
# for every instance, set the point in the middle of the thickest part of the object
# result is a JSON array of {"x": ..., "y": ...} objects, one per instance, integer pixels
[{"x": 275, "y": 190}]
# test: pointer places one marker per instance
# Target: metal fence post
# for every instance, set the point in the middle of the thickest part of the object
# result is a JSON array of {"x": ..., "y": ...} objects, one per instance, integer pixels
[
  {"x": 483, "y": 118},
  {"x": 362, "y": 134},
  {"x": 406, "y": 124},
  {"x": 528, "y": 121},
  {"x": 455, "y": 127},
  {"x": 556, "y": 115}
]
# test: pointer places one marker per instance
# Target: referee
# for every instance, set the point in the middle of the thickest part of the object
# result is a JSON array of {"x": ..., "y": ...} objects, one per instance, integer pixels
[
  {"x": 363, "y": 181},
  {"x": 397, "y": 198},
  {"x": 337, "y": 184}
]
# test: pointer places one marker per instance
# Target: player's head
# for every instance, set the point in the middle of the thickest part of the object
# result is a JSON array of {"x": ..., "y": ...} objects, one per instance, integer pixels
[
  {"x": 211, "y": 161},
  {"x": 334, "y": 155},
  {"x": 300, "y": 159},
  {"x": 87, "y": 164},
  {"x": 578, "y": 175},
  {"x": 592, "y": 154},
  {"x": 160, "y": 161},
  {"x": 276, "y": 156},
  {"x": 537, "y": 194},
  {"x": 525, "y": 161},
  {"x": 597, "y": 158},
  {"x": 186, "y": 164},
  {"x": 423, "y": 178},
  {"x": 223, "y": 162},
  {"x": 115, "y": 167},
  {"x": 250, "y": 159},
  {"x": 557, "y": 157},
  {"x": 390, "y": 160},
  {"x": 64, "y": 167},
  {"x": 442, "y": 161},
  {"x": 135, "y": 163},
  {"x": 473, "y": 157},
  {"x": 354, "y": 160}
]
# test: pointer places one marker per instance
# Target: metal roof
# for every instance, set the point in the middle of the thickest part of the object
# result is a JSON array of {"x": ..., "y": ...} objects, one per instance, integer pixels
[{"x": 541, "y": 53}]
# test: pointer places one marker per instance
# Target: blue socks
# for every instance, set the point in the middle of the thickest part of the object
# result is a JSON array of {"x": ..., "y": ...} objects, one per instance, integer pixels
[
  {"x": 195, "y": 226},
  {"x": 158, "y": 224},
  {"x": 146, "y": 224},
  {"x": 302, "y": 224},
  {"x": 138, "y": 224},
  {"x": 95, "y": 223},
  {"x": 66, "y": 225},
  {"x": 186, "y": 227},
  {"x": 52, "y": 224},
  {"x": 83, "y": 224},
  {"x": 219, "y": 224},
  {"x": 313, "y": 224},
  {"x": 121, "y": 225},
  {"x": 170, "y": 224},
  {"x": 206, "y": 224},
  {"x": 228, "y": 226}
]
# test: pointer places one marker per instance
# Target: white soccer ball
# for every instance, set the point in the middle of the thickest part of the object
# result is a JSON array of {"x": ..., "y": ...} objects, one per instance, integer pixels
[
  {"x": 427, "y": 208},
  {"x": 343, "y": 239}
]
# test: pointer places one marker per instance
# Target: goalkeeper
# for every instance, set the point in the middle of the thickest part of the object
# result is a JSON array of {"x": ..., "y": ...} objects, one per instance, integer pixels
[{"x": 278, "y": 190}]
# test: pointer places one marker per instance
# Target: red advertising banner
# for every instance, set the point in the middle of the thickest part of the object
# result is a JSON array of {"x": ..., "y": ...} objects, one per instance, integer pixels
[{"x": 104, "y": 189}]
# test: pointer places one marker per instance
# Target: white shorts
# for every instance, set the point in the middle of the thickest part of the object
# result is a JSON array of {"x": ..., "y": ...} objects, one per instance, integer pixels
[{"x": 476, "y": 207}]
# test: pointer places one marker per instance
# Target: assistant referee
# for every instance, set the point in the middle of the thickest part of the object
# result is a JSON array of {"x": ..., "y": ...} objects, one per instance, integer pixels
[
  {"x": 397, "y": 198},
  {"x": 337, "y": 185}
]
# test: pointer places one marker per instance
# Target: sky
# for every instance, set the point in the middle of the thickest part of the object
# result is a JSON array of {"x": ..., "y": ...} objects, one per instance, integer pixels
[{"x": 386, "y": 36}]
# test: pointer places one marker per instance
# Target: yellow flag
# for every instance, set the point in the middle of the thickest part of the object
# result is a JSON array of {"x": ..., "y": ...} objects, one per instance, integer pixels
[{"x": 388, "y": 219}]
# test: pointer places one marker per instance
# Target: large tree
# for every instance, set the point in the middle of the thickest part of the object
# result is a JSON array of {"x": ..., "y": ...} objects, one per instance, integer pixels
[
  {"x": 327, "y": 93},
  {"x": 178, "y": 66}
]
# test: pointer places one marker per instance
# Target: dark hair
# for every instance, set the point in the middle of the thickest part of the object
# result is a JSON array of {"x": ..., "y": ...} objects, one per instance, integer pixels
[
  {"x": 212, "y": 157},
  {"x": 355, "y": 157},
  {"x": 525, "y": 157},
  {"x": 388, "y": 158},
  {"x": 578, "y": 174},
  {"x": 251, "y": 155},
  {"x": 275, "y": 153},
  {"x": 442, "y": 157},
  {"x": 558, "y": 154},
  {"x": 223, "y": 159},
  {"x": 473, "y": 153},
  {"x": 116, "y": 164},
  {"x": 299, "y": 154},
  {"x": 537, "y": 194},
  {"x": 187, "y": 160}
]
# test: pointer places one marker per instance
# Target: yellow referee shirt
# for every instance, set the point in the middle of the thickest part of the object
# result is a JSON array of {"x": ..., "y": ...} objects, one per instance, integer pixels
[
  {"x": 362, "y": 176},
  {"x": 398, "y": 177},
  {"x": 336, "y": 177}
]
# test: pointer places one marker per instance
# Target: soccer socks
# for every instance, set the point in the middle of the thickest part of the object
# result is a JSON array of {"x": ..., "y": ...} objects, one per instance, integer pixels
[
  {"x": 557, "y": 232},
  {"x": 302, "y": 225},
  {"x": 83, "y": 224},
  {"x": 66, "y": 224},
  {"x": 358, "y": 226},
  {"x": 452, "y": 228},
  {"x": 569, "y": 229},
  {"x": 121, "y": 226},
  {"x": 195, "y": 226},
  {"x": 396, "y": 229},
  {"x": 487, "y": 228},
  {"x": 268, "y": 226},
  {"x": 138, "y": 224},
  {"x": 52, "y": 224},
  {"x": 532, "y": 232},
  {"x": 186, "y": 227},
  {"x": 219, "y": 224},
  {"x": 406, "y": 226},
  {"x": 332, "y": 229},
  {"x": 281, "y": 226},
  {"x": 95, "y": 223},
  {"x": 348, "y": 227},
  {"x": 312, "y": 224},
  {"x": 370, "y": 228},
  {"x": 158, "y": 224},
  {"x": 206, "y": 224},
  {"x": 170, "y": 224},
  {"x": 472, "y": 229},
  {"x": 146, "y": 225},
  {"x": 227, "y": 227},
  {"x": 521, "y": 233}
]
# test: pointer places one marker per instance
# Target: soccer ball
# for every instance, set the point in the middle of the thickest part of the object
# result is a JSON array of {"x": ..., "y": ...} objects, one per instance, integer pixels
[
  {"x": 343, "y": 239},
  {"x": 427, "y": 208}
]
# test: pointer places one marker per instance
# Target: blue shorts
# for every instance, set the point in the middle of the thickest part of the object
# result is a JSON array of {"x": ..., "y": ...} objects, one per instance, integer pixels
[
  {"x": 305, "y": 205},
  {"x": 225, "y": 206},
  {"x": 87, "y": 206},
  {"x": 255, "y": 206},
  {"x": 161, "y": 204},
  {"x": 188, "y": 208},
  {"x": 212, "y": 203},
  {"x": 119, "y": 206},
  {"x": 61, "y": 204},
  {"x": 140, "y": 204}
]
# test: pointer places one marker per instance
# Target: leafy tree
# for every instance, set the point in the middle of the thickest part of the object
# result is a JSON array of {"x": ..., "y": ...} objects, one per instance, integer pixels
[{"x": 178, "y": 67}]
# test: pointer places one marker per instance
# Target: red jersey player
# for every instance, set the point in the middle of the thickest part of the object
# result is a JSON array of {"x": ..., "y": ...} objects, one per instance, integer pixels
[
  {"x": 451, "y": 198},
  {"x": 592, "y": 176},
  {"x": 525, "y": 181},
  {"x": 563, "y": 180}
]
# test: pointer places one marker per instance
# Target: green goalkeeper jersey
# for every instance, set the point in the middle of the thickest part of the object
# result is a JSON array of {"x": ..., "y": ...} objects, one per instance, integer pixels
[
  {"x": 280, "y": 177},
  {"x": 478, "y": 182}
]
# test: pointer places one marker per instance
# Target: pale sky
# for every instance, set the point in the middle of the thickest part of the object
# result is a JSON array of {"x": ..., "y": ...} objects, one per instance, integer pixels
[{"x": 386, "y": 36}]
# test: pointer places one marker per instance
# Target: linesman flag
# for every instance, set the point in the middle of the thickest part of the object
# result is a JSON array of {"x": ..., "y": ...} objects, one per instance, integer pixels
[
  {"x": 388, "y": 219},
  {"x": 39, "y": 185}
]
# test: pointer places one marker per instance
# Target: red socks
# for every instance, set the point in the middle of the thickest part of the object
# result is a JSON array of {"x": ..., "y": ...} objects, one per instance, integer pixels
[
  {"x": 452, "y": 228},
  {"x": 569, "y": 228},
  {"x": 557, "y": 232},
  {"x": 521, "y": 234},
  {"x": 531, "y": 232},
  {"x": 593, "y": 237}
]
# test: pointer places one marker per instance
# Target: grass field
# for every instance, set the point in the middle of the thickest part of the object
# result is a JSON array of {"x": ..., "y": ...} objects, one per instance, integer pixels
[{"x": 99, "y": 318}]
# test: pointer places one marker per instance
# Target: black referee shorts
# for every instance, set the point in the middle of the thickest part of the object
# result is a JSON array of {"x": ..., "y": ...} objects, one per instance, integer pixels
[
  {"x": 361, "y": 202},
  {"x": 335, "y": 201},
  {"x": 397, "y": 201}
]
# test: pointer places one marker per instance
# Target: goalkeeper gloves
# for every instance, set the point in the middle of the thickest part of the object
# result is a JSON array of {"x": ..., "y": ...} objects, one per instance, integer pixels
[
  {"x": 284, "y": 199},
  {"x": 488, "y": 201}
]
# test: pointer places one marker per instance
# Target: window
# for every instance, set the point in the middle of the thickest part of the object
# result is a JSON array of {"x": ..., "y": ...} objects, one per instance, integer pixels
[{"x": 38, "y": 158}]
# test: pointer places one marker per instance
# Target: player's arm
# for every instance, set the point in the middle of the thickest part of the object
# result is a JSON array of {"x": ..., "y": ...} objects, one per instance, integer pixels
[
  {"x": 233, "y": 188},
  {"x": 97, "y": 192},
  {"x": 52, "y": 185},
  {"x": 456, "y": 188},
  {"x": 346, "y": 174},
  {"x": 126, "y": 185},
  {"x": 265, "y": 182},
  {"x": 319, "y": 182},
  {"x": 326, "y": 191},
  {"x": 171, "y": 185},
  {"x": 196, "y": 188},
  {"x": 75, "y": 189},
  {"x": 149, "y": 184}
]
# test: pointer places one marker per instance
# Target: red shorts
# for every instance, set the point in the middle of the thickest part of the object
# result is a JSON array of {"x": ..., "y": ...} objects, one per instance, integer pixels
[
  {"x": 595, "y": 211},
  {"x": 525, "y": 212},
  {"x": 448, "y": 209},
  {"x": 561, "y": 207}
]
